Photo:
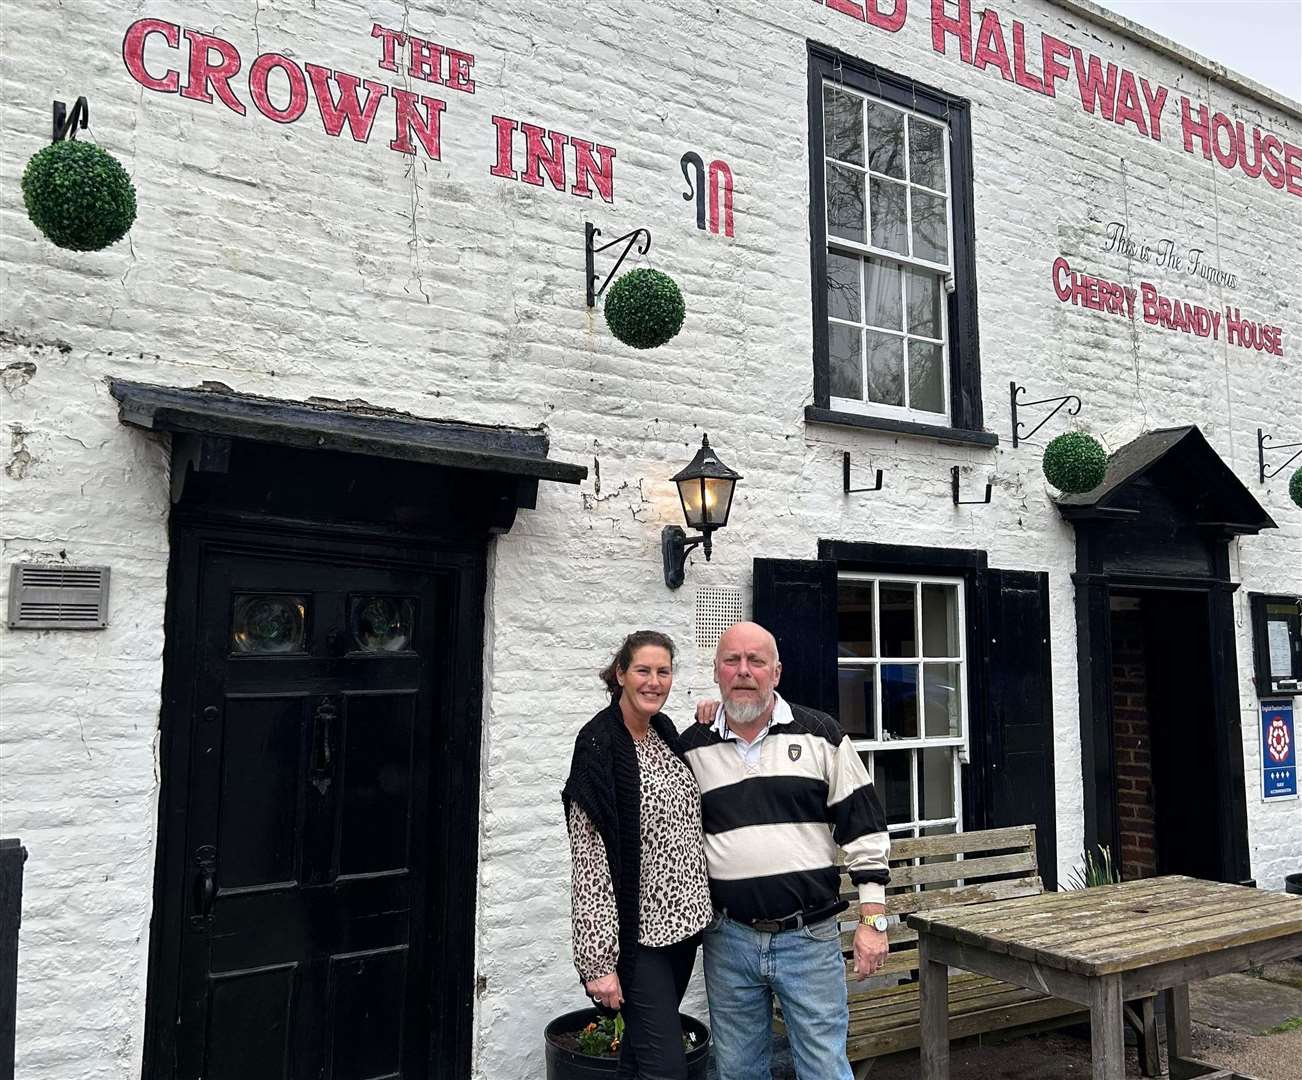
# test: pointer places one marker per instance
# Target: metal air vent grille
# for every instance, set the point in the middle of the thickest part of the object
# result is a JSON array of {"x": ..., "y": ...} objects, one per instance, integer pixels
[
  {"x": 717, "y": 608},
  {"x": 46, "y": 597}
]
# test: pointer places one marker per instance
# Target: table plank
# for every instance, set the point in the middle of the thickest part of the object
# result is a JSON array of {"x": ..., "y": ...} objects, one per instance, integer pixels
[{"x": 1120, "y": 927}]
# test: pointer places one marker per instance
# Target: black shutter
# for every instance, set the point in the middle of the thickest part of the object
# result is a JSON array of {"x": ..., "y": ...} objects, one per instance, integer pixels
[
  {"x": 795, "y": 599},
  {"x": 1017, "y": 748}
]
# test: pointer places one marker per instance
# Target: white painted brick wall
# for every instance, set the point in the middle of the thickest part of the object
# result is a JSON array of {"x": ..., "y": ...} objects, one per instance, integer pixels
[{"x": 283, "y": 262}]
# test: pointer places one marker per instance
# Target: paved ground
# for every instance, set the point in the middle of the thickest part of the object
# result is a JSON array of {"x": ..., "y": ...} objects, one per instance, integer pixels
[{"x": 1237, "y": 1022}]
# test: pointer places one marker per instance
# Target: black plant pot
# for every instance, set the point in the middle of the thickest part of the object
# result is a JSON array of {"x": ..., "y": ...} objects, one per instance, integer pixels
[{"x": 566, "y": 1064}]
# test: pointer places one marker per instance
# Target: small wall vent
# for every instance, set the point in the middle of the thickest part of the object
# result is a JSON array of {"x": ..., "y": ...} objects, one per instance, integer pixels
[
  {"x": 52, "y": 597},
  {"x": 717, "y": 608}
]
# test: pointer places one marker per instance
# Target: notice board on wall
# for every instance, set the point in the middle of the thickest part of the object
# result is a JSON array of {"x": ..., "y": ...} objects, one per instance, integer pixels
[{"x": 1278, "y": 750}]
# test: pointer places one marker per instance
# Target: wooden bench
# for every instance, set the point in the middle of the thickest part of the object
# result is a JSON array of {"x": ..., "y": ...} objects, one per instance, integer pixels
[{"x": 946, "y": 871}]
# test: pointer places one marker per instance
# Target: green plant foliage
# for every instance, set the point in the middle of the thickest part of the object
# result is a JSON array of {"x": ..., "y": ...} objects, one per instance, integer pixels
[
  {"x": 1100, "y": 871},
  {"x": 644, "y": 308},
  {"x": 78, "y": 195},
  {"x": 1075, "y": 462},
  {"x": 602, "y": 1037},
  {"x": 1295, "y": 487}
]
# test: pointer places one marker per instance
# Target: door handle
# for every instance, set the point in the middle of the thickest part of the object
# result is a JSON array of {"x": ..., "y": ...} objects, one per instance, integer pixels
[
  {"x": 205, "y": 883},
  {"x": 322, "y": 751}
]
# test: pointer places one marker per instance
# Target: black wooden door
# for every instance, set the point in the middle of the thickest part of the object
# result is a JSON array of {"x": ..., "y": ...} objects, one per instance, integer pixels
[
  {"x": 1016, "y": 758},
  {"x": 304, "y": 887}
]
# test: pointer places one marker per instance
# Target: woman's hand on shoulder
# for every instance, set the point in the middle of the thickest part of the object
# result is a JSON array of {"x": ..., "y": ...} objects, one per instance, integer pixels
[
  {"x": 706, "y": 710},
  {"x": 605, "y": 990}
]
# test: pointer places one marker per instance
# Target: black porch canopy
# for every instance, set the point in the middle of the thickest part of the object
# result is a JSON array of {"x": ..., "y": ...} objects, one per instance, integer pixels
[
  {"x": 1181, "y": 464},
  {"x": 364, "y": 462}
]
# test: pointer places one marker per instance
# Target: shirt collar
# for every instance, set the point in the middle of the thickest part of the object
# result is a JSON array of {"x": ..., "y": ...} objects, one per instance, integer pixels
[{"x": 781, "y": 715}]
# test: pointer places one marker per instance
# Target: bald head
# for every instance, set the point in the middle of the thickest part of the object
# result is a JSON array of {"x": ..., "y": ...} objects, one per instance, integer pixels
[
  {"x": 747, "y": 635},
  {"x": 747, "y": 668}
]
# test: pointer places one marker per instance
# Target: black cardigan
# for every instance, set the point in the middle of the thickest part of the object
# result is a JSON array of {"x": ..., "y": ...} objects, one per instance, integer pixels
[{"x": 605, "y": 783}]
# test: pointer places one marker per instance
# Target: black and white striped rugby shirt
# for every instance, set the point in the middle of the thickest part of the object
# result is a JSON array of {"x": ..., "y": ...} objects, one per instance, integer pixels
[{"x": 774, "y": 828}]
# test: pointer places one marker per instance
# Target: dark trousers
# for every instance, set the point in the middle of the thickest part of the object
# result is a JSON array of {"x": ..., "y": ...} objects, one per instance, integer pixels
[{"x": 653, "y": 1034}]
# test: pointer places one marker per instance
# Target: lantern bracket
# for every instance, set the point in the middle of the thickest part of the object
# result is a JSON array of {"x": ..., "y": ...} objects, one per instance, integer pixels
[
  {"x": 953, "y": 483},
  {"x": 845, "y": 477},
  {"x": 590, "y": 231},
  {"x": 1056, "y": 402},
  {"x": 1263, "y": 473},
  {"x": 66, "y": 123},
  {"x": 674, "y": 546}
]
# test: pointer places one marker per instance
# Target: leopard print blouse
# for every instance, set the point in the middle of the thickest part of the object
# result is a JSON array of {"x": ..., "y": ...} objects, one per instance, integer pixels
[{"x": 674, "y": 892}]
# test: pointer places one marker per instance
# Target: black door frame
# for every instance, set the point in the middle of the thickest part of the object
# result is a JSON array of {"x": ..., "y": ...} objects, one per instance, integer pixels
[
  {"x": 1094, "y": 668},
  {"x": 193, "y": 532}
]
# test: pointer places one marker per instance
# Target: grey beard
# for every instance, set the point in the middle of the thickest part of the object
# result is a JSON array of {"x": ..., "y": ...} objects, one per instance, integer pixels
[{"x": 746, "y": 712}]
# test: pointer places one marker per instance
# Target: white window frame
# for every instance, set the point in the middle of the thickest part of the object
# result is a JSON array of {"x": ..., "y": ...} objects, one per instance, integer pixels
[
  {"x": 869, "y": 747},
  {"x": 841, "y": 245}
]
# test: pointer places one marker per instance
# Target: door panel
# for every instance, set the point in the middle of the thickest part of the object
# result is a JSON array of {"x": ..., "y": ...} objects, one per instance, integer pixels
[{"x": 304, "y": 943}]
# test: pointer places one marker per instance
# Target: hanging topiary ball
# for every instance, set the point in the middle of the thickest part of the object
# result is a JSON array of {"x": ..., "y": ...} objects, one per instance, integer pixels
[
  {"x": 1295, "y": 487},
  {"x": 79, "y": 195},
  {"x": 645, "y": 308},
  {"x": 1075, "y": 462}
]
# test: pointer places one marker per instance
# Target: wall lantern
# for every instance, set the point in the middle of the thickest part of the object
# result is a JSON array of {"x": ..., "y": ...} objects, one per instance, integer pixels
[{"x": 705, "y": 488}]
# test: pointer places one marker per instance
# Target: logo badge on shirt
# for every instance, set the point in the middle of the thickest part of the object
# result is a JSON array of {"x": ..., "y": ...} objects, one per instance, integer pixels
[{"x": 793, "y": 752}]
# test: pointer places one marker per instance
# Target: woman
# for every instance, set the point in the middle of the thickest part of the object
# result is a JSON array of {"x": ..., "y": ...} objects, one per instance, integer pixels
[{"x": 640, "y": 892}]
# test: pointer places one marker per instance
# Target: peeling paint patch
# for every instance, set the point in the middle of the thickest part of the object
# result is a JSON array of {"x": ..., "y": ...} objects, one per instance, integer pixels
[
  {"x": 21, "y": 457},
  {"x": 17, "y": 375},
  {"x": 12, "y": 337}
]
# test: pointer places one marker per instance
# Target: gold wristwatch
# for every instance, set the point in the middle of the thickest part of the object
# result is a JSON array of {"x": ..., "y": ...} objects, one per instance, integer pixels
[{"x": 877, "y": 922}]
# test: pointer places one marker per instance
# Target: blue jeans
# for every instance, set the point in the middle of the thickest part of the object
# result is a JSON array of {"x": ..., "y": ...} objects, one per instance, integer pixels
[{"x": 744, "y": 968}]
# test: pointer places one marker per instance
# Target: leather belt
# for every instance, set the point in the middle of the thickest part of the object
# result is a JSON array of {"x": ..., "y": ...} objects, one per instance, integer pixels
[{"x": 791, "y": 922}]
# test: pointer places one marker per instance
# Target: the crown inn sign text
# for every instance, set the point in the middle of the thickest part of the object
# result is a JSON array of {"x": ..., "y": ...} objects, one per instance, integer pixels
[{"x": 280, "y": 88}]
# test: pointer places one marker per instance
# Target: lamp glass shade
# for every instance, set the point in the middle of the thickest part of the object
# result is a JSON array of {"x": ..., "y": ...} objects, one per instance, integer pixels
[{"x": 706, "y": 488}]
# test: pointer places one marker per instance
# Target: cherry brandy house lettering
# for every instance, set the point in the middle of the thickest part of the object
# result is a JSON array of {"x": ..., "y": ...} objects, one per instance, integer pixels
[{"x": 1168, "y": 313}]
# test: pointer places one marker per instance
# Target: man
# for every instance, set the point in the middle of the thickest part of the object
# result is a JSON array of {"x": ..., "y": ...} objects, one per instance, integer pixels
[{"x": 781, "y": 790}]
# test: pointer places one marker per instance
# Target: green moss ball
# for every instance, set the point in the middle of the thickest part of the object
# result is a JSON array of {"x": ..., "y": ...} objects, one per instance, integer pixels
[
  {"x": 1075, "y": 462},
  {"x": 644, "y": 308},
  {"x": 79, "y": 195},
  {"x": 1295, "y": 487}
]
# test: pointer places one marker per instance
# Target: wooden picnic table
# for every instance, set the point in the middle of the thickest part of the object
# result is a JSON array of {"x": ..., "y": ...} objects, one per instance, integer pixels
[{"x": 1101, "y": 947}]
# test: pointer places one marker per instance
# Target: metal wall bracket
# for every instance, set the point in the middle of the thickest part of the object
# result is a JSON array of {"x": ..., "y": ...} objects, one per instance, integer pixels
[
  {"x": 1264, "y": 474},
  {"x": 1057, "y": 402},
  {"x": 845, "y": 477},
  {"x": 953, "y": 483},
  {"x": 65, "y": 123},
  {"x": 628, "y": 240}
]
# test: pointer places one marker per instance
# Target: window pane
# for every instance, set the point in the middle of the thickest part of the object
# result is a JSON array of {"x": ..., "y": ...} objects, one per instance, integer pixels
[
  {"x": 843, "y": 300},
  {"x": 888, "y": 215},
  {"x": 854, "y": 617},
  {"x": 381, "y": 623},
  {"x": 845, "y": 203},
  {"x": 885, "y": 368},
  {"x": 940, "y": 695},
  {"x": 930, "y": 227},
  {"x": 936, "y": 783},
  {"x": 891, "y": 779},
  {"x": 844, "y": 361},
  {"x": 885, "y": 140},
  {"x": 926, "y": 154},
  {"x": 269, "y": 623},
  {"x": 899, "y": 637},
  {"x": 858, "y": 714},
  {"x": 899, "y": 701},
  {"x": 882, "y": 283},
  {"x": 843, "y": 125},
  {"x": 925, "y": 291},
  {"x": 939, "y": 620},
  {"x": 926, "y": 380}
]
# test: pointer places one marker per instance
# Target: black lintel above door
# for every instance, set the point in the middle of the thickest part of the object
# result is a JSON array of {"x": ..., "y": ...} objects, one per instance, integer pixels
[{"x": 272, "y": 455}]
